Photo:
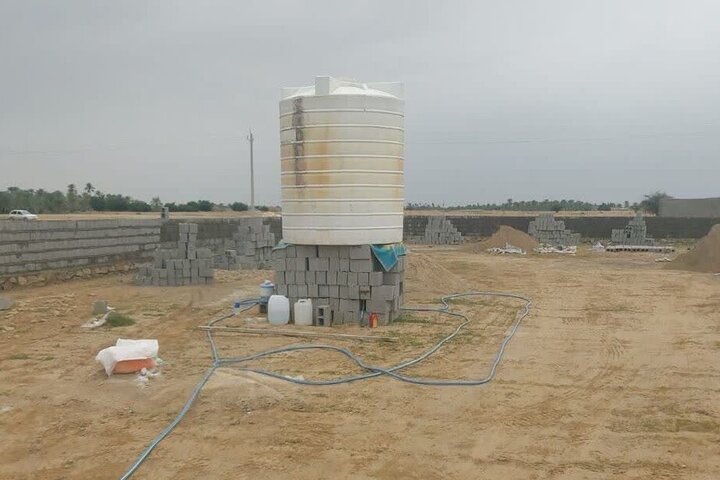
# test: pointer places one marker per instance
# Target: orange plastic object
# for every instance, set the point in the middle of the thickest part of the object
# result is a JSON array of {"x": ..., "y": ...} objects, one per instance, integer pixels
[
  {"x": 132, "y": 366},
  {"x": 373, "y": 320}
]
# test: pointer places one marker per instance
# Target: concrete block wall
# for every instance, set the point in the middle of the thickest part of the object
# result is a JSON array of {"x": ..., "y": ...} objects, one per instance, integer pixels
[
  {"x": 635, "y": 234},
  {"x": 346, "y": 278},
  {"x": 589, "y": 227},
  {"x": 440, "y": 231},
  {"x": 184, "y": 264},
  {"x": 33, "y": 251}
]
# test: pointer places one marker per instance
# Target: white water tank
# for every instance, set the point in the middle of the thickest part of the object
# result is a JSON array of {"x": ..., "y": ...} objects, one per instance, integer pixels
[{"x": 342, "y": 153}]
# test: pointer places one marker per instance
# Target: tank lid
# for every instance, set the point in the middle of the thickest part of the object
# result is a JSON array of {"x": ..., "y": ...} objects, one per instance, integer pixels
[{"x": 325, "y": 85}]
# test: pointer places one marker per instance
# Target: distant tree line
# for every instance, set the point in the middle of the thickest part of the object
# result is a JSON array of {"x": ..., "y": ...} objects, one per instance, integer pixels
[
  {"x": 91, "y": 199},
  {"x": 650, "y": 204}
]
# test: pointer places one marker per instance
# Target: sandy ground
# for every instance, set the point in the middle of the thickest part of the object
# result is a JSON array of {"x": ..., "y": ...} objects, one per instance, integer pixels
[{"x": 615, "y": 374}]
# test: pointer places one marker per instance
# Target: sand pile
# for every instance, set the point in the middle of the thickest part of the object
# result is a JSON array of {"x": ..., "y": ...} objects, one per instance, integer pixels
[
  {"x": 428, "y": 274},
  {"x": 705, "y": 257},
  {"x": 502, "y": 237}
]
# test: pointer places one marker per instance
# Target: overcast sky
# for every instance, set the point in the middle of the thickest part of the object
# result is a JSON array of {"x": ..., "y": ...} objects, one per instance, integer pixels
[{"x": 595, "y": 100}]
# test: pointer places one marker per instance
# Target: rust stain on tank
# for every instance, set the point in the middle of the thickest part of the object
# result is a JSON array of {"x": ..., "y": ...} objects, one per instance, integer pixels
[{"x": 298, "y": 121}]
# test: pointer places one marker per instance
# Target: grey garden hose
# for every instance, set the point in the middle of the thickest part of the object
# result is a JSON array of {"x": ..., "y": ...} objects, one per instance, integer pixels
[{"x": 372, "y": 370}]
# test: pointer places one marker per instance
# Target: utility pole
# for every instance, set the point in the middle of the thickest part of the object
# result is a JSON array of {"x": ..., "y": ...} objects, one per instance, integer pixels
[{"x": 251, "y": 139}]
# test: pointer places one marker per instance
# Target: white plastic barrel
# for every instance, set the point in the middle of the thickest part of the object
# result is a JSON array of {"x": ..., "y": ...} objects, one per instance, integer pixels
[
  {"x": 278, "y": 310},
  {"x": 303, "y": 312}
]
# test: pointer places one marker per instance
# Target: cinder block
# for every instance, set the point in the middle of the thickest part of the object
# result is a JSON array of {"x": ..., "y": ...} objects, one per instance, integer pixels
[
  {"x": 321, "y": 278},
  {"x": 313, "y": 291},
  {"x": 376, "y": 279},
  {"x": 344, "y": 264},
  {"x": 309, "y": 251},
  {"x": 290, "y": 276},
  {"x": 291, "y": 251},
  {"x": 392, "y": 278},
  {"x": 328, "y": 251},
  {"x": 319, "y": 264},
  {"x": 354, "y": 292},
  {"x": 344, "y": 291},
  {"x": 292, "y": 292},
  {"x": 360, "y": 252},
  {"x": 302, "y": 291},
  {"x": 365, "y": 292},
  {"x": 333, "y": 291},
  {"x": 342, "y": 278},
  {"x": 323, "y": 291},
  {"x": 383, "y": 292},
  {"x": 333, "y": 264},
  {"x": 363, "y": 279},
  {"x": 378, "y": 306},
  {"x": 301, "y": 264},
  {"x": 282, "y": 290},
  {"x": 361, "y": 266}
]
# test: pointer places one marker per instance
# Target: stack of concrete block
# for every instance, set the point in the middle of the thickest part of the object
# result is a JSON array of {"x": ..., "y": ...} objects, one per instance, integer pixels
[
  {"x": 183, "y": 265},
  {"x": 226, "y": 261},
  {"x": 634, "y": 234},
  {"x": 548, "y": 231},
  {"x": 346, "y": 278},
  {"x": 253, "y": 243},
  {"x": 439, "y": 231}
]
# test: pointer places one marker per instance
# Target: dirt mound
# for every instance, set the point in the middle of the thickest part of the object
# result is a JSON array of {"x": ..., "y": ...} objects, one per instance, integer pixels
[
  {"x": 429, "y": 275},
  {"x": 705, "y": 257},
  {"x": 502, "y": 237}
]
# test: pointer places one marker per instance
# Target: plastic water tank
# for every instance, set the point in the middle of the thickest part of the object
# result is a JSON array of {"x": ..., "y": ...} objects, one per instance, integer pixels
[
  {"x": 278, "y": 310},
  {"x": 303, "y": 312},
  {"x": 267, "y": 288},
  {"x": 342, "y": 155}
]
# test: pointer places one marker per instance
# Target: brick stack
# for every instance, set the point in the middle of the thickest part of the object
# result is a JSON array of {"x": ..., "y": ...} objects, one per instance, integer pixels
[
  {"x": 183, "y": 265},
  {"x": 253, "y": 243},
  {"x": 548, "y": 231},
  {"x": 634, "y": 234},
  {"x": 439, "y": 231},
  {"x": 346, "y": 278}
]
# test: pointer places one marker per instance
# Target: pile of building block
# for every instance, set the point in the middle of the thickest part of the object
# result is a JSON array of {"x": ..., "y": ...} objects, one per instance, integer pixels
[
  {"x": 347, "y": 279},
  {"x": 634, "y": 234},
  {"x": 252, "y": 243},
  {"x": 183, "y": 265},
  {"x": 439, "y": 231},
  {"x": 548, "y": 231}
]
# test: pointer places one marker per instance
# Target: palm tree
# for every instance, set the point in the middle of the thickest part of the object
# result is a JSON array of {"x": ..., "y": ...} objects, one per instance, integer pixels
[{"x": 89, "y": 189}]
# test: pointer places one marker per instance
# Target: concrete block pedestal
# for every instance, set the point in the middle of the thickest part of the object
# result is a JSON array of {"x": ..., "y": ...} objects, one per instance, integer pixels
[{"x": 348, "y": 280}]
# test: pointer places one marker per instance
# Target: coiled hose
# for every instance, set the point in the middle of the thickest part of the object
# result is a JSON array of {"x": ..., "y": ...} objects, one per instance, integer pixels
[{"x": 372, "y": 370}]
